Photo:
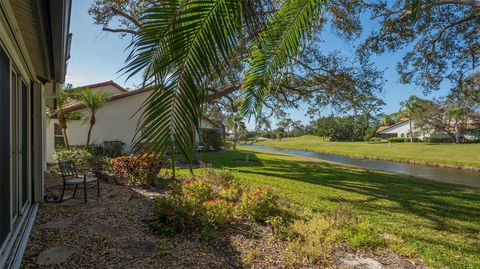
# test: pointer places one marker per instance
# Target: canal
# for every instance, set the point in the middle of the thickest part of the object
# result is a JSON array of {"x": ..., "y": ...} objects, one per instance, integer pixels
[{"x": 447, "y": 175}]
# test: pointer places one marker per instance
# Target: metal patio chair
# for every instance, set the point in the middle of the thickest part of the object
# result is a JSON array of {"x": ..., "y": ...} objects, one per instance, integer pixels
[{"x": 70, "y": 177}]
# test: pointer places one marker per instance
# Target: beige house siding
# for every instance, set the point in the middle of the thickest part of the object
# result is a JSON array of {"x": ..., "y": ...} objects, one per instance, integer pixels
[{"x": 117, "y": 120}]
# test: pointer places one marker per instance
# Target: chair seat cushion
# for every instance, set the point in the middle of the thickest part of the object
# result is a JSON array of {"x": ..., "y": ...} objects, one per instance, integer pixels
[{"x": 80, "y": 180}]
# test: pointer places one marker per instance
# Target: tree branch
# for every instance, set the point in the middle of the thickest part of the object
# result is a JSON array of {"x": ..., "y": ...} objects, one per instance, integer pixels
[
  {"x": 126, "y": 16},
  {"x": 222, "y": 93},
  {"x": 125, "y": 31}
]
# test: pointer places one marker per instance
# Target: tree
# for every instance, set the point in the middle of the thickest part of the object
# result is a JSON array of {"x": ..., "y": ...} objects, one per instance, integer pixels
[
  {"x": 408, "y": 108},
  {"x": 63, "y": 97},
  {"x": 235, "y": 124},
  {"x": 387, "y": 120},
  {"x": 449, "y": 115},
  {"x": 325, "y": 126},
  {"x": 441, "y": 38},
  {"x": 93, "y": 100},
  {"x": 124, "y": 14}
]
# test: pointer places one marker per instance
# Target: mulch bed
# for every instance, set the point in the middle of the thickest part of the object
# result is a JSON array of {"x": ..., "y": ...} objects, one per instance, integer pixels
[{"x": 112, "y": 231}]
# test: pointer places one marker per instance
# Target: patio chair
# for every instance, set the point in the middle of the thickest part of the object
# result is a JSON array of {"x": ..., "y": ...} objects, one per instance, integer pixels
[{"x": 70, "y": 177}]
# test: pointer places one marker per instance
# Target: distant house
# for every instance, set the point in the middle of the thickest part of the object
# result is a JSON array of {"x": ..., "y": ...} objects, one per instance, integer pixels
[
  {"x": 402, "y": 129},
  {"x": 116, "y": 121},
  {"x": 34, "y": 48}
]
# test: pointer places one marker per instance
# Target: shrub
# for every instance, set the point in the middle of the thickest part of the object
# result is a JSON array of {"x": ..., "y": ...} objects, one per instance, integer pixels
[
  {"x": 402, "y": 139},
  {"x": 114, "y": 149},
  {"x": 275, "y": 223},
  {"x": 212, "y": 139},
  {"x": 216, "y": 213},
  {"x": 191, "y": 204},
  {"x": 137, "y": 169},
  {"x": 218, "y": 178},
  {"x": 311, "y": 241},
  {"x": 79, "y": 156},
  {"x": 439, "y": 140},
  {"x": 111, "y": 149},
  {"x": 172, "y": 216},
  {"x": 258, "y": 204},
  {"x": 193, "y": 193},
  {"x": 228, "y": 145},
  {"x": 230, "y": 194},
  {"x": 375, "y": 139},
  {"x": 397, "y": 139}
]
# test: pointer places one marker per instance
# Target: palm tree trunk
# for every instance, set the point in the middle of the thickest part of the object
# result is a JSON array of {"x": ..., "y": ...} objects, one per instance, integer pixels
[
  {"x": 173, "y": 162},
  {"x": 92, "y": 122},
  {"x": 410, "y": 123},
  {"x": 235, "y": 132},
  {"x": 65, "y": 138},
  {"x": 457, "y": 135}
]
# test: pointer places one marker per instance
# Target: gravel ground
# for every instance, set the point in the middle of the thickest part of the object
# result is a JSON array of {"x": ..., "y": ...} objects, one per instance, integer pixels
[{"x": 111, "y": 232}]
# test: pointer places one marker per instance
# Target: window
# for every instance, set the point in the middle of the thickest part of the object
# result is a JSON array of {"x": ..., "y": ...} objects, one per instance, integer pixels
[
  {"x": 58, "y": 136},
  {"x": 402, "y": 135}
]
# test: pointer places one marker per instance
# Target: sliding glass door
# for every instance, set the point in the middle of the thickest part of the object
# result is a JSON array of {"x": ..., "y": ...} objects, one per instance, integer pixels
[
  {"x": 20, "y": 141},
  {"x": 5, "y": 129},
  {"x": 15, "y": 183}
]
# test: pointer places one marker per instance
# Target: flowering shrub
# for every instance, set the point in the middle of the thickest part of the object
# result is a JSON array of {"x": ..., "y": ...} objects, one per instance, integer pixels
[
  {"x": 194, "y": 192},
  {"x": 230, "y": 194},
  {"x": 137, "y": 169},
  {"x": 209, "y": 203},
  {"x": 258, "y": 204},
  {"x": 217, "y": 212},
  {"x": 172, "y": 216}
]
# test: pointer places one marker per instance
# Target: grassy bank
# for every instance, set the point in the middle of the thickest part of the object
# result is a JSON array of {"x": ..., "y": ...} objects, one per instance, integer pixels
[
  {"x": 440, "y": 154},
  {"x": 439, "y": 222}
]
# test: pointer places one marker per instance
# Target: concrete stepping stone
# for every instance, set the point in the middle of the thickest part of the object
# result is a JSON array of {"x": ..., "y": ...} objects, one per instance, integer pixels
[
  {"x": 354, "y": 261},
  {"x": 70, "y": 202},
  {"x": 57, "y": 224},
  {"x": 55, "y": 255},
  {"x": 140, "y": 248},
  {"x": 95, "y": 210},
  {"x": 101, "y": 228}
]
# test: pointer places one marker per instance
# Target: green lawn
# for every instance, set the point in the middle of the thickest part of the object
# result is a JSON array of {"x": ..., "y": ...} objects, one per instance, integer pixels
[
  {"x": 438, "y": 221},
  {"x": 446, "y": 154}
]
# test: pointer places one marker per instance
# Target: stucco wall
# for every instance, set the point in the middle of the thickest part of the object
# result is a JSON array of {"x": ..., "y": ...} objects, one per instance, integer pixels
[{"x": 117, "y": 120}]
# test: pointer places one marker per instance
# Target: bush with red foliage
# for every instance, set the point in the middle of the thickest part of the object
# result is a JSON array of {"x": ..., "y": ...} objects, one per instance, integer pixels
[{"x": 137, "y": 169}]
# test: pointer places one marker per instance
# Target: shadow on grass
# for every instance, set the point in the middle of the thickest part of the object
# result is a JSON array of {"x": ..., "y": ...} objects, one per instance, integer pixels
[
  {"x": 435, "y": 201},
  {"x": 411, "y": 204}
]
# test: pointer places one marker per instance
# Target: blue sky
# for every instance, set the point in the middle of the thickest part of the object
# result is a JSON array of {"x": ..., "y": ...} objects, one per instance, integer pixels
[{"x": 97, "y": 56}]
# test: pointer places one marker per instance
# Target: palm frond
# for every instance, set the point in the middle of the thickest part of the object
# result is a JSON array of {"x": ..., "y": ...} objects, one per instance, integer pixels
[
  {"x": 276, "y": 48},
  {"x": 180, "y": 44},
  {"x": 418, "y": 7}
]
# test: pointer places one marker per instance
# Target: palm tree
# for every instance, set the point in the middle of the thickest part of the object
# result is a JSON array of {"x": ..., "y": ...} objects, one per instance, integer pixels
[
  {"x": 183, "y": 43},
  {"x": 408, "y": 109},
  {"x": 93, "y": 100},
  {"x": 62, "y": 99},
  {"x": 235, "y": 123}
]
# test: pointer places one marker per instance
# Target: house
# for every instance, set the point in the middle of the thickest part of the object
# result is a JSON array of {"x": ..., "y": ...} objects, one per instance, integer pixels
[
  {"x": 34, "y": 48},
  {"x": 402, "y": 129},
  {"x": 116, "y": 121}
]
